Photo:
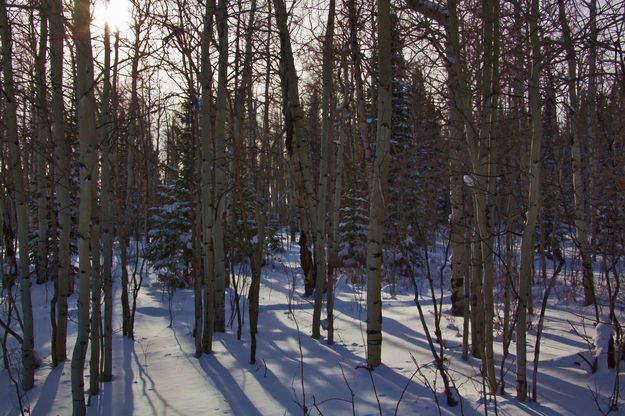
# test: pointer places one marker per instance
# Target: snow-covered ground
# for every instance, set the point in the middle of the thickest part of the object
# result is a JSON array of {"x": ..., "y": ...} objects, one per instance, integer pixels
[{"x": 158, "y": 374}]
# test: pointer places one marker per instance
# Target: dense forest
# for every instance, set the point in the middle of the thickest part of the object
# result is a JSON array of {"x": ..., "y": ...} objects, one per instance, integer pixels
[{"x": 466, "y": 155}]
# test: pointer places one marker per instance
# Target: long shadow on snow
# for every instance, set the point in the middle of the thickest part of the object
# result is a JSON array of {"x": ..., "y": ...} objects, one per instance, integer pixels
[
  {"x": 49, "y": 390},
  {"x": 397, "y": 381},
  {"x": 232, "y": 392},
  {"x": 316, "y": 352},
  {"x": 145, "y": 378},
  {"x": 216, "y": 372}
]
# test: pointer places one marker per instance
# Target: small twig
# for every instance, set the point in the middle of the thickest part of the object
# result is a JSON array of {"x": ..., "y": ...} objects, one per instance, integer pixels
[
  {"x": 593, "y": 366},
  {"x": 375, "y": 391},
  {"x": 316, "y": 406},
  {"x": 350, "y": 390},
  {"x": 301, "y": 357},
  {"x": 404, "y": 391},
  {"x": 427, "y": 383},
  {"x": 11, "y": 332}
]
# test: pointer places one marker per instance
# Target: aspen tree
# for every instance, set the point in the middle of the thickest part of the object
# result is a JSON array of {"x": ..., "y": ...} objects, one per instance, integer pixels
[
  {"x": 254, "y": 247},
  {"x": 457, "y": 222},
  {"x": 96, "y": 283},
  {"x": 262, "y": 180},
  {"x": 41, "y": 110},
  {"x": 21, "y": 210},
  {"x": 107, "y": 211},
  {"x": 61, "y": 176},
  {"x": 221, "y": 14},
  {"x": 359, "y": 83},
  {"x": 85, "y": 106},
  {"x": 336, "y": 173},
  {"x": 591, "y": 113},
  {"x": 204, "y": 341},
  {"x": 299, "y": 156},
  {"x": 322, "y": 197},
  {"x": 459, "y": 129},
  {"x": 126, "y": 224},
  {"x": 484, "y": 167},
  {"x": 300, "y": 165},
  {"x": 579, "y": 196},
  {"x": 534, "y": 197},
  {"x": 377, "y": 185}
]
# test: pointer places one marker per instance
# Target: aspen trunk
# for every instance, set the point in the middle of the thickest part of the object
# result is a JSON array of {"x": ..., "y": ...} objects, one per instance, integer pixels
[
  {"x": 334, "y": 215},
  {"x": 21, "y": 209},
  {"x": 61, "y": 176},
  {"x": 262, "y": 180},
  {"x": 579, "y": 196},
  {"x": 462, "y": 114},
  {"x": 486, "y": 173},
  {"x": 96, "y": 283},
  {"x": 360, "y": 90},
  {"x": 107, "y": 212},
  {"x": 322, "y": 193},
  {"x": 220, "y": 166},
  {"x": 206, "y": 191},
  {"x": 591, "y": 117},
  {"x": 533, "y": 204},
  {"x": 127, "y": 223},
  {"x": 377, "y": 185},
  {"x": 477, "y": 306},
  {"x": 297, "y": 149},
  {"x": 85, "y": 106},
  {"x": 299, "y": 158},
  {"x": 40, "y": 156},
  {"x": 456, "y": 221}
]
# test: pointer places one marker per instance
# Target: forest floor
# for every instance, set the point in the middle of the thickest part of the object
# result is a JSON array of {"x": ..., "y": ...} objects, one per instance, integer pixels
[{"x": 158, "y": 373}]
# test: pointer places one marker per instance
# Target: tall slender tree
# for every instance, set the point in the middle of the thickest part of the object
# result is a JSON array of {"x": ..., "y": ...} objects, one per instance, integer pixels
[
  {"x": 85, "y": 107},
  {"x": 19, "y": 190},
  {"x": 61, "y": 177},
  {"x": 533, "y": 202},
  {"x": 377, "y": 185},
  {"x": 206, "y": 190},
  {"x": 220, "y": 163},
  {"x": 579, "y": 195},
  {"x": 107, "y": 215},
  {"x": 322, "y": 192}
]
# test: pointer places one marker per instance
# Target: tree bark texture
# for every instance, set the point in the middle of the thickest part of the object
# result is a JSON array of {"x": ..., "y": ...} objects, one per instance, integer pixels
[
  {"x": 85, "y": 107},
  {"x": 378, "y": 183},
  {"x": 21, "y": 209}
]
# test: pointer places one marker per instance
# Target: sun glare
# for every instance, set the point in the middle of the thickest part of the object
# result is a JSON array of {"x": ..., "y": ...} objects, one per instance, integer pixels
[{"x": 117, "y": 13}]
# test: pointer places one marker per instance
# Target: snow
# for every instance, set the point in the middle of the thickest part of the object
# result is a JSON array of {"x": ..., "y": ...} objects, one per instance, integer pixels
[
  {"x": 158, "y": 373},
  {"x": 469, "y": 180},
  {"x": 603, "y": 331}
]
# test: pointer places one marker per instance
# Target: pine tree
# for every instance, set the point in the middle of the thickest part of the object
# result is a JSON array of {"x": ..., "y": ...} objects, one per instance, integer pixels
[
  {"x": 169, "y": 249},
  {"x": 353, "y": 225}
]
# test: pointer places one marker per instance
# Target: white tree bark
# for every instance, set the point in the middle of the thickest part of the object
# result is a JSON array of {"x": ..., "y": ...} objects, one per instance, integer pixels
[
  {"x": 579, "y": 196},
  {"x": 41, "y": 154},
  {"x": 107, "y": 211},
  {"x": 85, "y": 106},
  {"x": 322, "y": 192},
  {"x": 21, "y": 209},
  {"x": 61, "y": 176},
  {"x": 533, "y": 203},
  {"x": 297, "y": 149},
  {"x": 220, "y": 166},
  {"x": 206, "y": 191},
  {"x": 377, "y": 184}
]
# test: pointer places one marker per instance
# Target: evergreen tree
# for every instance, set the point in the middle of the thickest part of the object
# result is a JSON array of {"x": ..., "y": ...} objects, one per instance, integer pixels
[{"x": 169, "y": 249}]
